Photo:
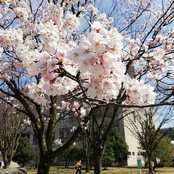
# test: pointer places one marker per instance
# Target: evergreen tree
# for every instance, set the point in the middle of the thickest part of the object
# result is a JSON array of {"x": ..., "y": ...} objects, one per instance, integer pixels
[
  {"x": 116, "y": 150},
  {"x": 164, "y": 152}
]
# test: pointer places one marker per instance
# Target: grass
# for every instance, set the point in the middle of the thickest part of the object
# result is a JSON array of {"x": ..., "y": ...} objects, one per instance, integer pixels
[{"x": 60, "y": 170}]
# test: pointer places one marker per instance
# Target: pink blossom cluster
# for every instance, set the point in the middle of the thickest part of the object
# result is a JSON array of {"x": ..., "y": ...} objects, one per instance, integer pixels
[
  {"x": 139, "y": 91},
  {"x": 156, "y": 60},
  {"x": 45, "y": 46},
  {"x": 98, "y": 57},
  {"x": 74, "y": 107},
  {"x": 10, "y": 38}
]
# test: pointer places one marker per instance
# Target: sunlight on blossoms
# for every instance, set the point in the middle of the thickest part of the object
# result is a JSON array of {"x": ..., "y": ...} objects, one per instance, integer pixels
[
  {"x": 98, "y": 57},
  {"x": 91, "y": 63},
  {"x": 139, "y": 93}
]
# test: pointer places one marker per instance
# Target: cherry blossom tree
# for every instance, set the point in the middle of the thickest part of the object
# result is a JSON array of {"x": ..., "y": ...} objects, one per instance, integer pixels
[
  {"x": 12, "y": 127},
  {"x": 70, "y": 70}
]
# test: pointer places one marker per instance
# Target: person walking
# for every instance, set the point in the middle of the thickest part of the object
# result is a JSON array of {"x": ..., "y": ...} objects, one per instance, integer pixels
[{"x": 78, "y": 167}]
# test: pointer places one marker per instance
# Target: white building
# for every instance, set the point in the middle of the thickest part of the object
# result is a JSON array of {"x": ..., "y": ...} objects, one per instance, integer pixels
[
  {"x": 131, "y": 141},
  {"x": 133, "y": 146}
]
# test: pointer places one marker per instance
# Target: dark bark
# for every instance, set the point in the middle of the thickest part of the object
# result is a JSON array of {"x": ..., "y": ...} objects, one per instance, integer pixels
[
  {"x": 44, "y": 165},
  {"x": 88, "y": 167},
  {"x": 5, "y": 160},
  {"x": 150, "y": 166},
  {"x": 101, "y": 131},
  {"x": 155, "y": 164},
  {"x": 45, "y": 153},
  {"x": 98, "y": 156},
  {"x": 87, "y": 143}
]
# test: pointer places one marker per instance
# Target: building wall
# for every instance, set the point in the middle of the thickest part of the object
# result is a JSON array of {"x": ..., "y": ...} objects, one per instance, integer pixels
[
  {"x": 133, "y": 147},
  {"x": 131, "y": 141}
]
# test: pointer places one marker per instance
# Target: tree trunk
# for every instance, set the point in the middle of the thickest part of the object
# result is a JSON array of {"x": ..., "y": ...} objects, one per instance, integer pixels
[
  {"x": 98, "y": 155},
  {"x": 5, "y": 160},
  {"x": 44, "y": 165},
  {"x": 45, "y": 160},
  {"x": 6, "y": 164},
  {"x": 150, "y": 164},
  {"x": 155, "y": 164},
  {"x": 88, "y": 167}
]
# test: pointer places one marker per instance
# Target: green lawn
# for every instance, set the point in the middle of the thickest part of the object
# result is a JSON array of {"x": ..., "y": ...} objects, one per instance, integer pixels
[{"x": 59, "y": 170}]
